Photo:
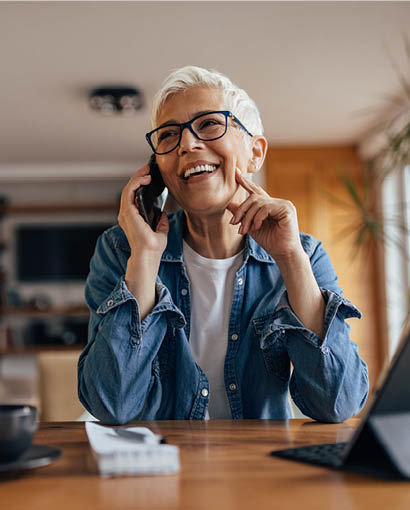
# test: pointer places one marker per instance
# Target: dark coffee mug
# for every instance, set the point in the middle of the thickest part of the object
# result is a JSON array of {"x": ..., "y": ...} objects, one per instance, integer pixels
[{"x": 17, "y": 426}]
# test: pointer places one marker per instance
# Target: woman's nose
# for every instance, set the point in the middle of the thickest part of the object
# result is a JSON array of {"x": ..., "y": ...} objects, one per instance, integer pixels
[{"x": 189, "y": 141}]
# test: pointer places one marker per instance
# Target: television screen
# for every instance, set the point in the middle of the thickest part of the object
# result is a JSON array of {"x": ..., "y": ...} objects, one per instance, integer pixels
[{"x": 55, "y": 252}]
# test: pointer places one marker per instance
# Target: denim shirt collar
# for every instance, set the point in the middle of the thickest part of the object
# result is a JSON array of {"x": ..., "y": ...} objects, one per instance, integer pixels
[{"x": 174, "y": 250}]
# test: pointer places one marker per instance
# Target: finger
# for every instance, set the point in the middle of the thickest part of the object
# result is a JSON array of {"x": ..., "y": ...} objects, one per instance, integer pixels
[
  {"x": 144, "y": 170},
  {"x": 163, "y": 224},
  {"x": 260, "y": 217},
  {"x": 232, "y": 207},
  {"x": 136, "y": 181},
  {"x": 128, "y": 199},
  {"x": 135, "y": 178},
  {"x": 141, "y": 174},
  {"x": 247, "y": 220},
  {"x": 241, "y": 209},
  {"x": 247, "y": 183}
]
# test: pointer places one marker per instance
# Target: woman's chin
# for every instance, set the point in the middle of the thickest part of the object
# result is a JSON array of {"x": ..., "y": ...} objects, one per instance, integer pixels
[
  {"x": 207, "y": 208},
  {"x": 209, "y": 204}
]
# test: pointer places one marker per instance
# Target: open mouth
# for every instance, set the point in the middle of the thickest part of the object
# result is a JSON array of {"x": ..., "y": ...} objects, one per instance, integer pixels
[{"x": 198, "y": 170}]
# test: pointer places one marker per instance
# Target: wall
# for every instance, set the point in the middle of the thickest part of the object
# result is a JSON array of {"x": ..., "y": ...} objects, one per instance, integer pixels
[{"x": 311, "y": 179}]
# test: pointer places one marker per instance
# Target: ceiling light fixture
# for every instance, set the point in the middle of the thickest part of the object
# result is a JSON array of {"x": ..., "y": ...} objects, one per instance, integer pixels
[{"x": 116, "y": 100}]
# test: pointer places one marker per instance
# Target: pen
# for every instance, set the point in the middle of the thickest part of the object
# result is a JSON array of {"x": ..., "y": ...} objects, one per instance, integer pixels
[{"x": 138, "y": 436}]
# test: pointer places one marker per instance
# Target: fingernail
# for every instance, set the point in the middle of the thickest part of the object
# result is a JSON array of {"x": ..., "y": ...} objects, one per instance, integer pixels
[
  {"x": 238, "y": 170},
  {"x": 240, "y": 229}
]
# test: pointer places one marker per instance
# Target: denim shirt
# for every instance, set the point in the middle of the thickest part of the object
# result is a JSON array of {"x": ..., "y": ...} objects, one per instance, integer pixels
[{"x": 145, "y": 370}]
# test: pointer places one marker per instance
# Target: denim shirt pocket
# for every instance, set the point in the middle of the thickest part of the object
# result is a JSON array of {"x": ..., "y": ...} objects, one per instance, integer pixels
[{"x": 272, "y": 343}]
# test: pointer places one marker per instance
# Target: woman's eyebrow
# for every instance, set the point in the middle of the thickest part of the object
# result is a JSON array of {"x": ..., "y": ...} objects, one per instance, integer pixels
[
  {"x": 202, "y": 111},
  {"x": 168, "y": 122},
  {"x": 173, "y": 121}
]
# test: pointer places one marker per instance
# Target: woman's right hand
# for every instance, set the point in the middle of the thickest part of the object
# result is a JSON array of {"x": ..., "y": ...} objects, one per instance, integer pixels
[
  {"x": 139, "y": 234},
  {"x": 146, "y": 245}
]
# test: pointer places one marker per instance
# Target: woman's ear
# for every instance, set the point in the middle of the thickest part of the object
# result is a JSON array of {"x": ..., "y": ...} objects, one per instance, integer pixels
[{"x": 259, "y": 146}]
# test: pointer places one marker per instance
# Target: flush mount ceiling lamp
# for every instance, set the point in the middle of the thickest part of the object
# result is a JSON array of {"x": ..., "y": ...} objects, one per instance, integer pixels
[{"x": 116, "y": 100}]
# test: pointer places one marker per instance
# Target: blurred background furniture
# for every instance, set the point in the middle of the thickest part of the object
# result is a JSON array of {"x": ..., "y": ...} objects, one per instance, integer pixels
[{"x": 57, "y": 376}]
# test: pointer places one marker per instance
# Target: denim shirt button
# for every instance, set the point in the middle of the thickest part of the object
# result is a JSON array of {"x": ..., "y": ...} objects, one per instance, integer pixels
[
  {"x": 234, "y": 337},
  {"x": 110, "y": 302},
  {"x": 240, "y": 281},
  {"x": 184, "y": 292},
  {"x": 232, "y": 386},
  {"x": 204, "y": 392}
]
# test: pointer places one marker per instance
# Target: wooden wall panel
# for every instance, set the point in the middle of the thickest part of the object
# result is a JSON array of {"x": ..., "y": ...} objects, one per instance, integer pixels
[{"x": 311, "y": 179}]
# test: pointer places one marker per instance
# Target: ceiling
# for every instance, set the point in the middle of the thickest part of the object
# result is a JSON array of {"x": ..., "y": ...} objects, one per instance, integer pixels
[{"x": 314, "y": 69}]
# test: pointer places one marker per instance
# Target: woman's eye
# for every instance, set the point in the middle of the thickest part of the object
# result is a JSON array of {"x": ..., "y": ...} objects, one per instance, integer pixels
[
  {"x": 166, "y": 134},
  {"x": 208, "y": 123}
]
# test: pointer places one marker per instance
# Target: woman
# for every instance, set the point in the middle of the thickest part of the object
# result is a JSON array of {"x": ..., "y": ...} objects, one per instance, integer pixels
[{"x": 203, "y": 317}]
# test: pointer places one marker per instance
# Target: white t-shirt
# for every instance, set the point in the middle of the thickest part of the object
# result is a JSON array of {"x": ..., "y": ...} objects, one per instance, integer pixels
[{"x": 212, "y": 282}]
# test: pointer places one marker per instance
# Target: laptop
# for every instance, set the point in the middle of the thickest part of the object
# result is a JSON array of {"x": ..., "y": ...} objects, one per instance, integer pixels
[{"x": 380, "y": 445}]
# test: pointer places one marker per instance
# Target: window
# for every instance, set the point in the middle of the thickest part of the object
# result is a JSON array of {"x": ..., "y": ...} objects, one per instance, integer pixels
[{"x": 396, "y": 212}]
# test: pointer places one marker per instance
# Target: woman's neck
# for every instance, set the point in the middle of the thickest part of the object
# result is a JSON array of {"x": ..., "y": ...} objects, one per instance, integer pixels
[{"x": 213, "y": 237}]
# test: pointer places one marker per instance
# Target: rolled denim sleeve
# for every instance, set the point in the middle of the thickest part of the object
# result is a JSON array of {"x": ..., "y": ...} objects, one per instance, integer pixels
[
  {"x": 330, "y": 380},
  {"x": 115, "y": 373}
]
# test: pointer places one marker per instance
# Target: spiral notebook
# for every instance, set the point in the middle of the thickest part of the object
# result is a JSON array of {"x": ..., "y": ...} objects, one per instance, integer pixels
[{"x": 120, "y": 451}]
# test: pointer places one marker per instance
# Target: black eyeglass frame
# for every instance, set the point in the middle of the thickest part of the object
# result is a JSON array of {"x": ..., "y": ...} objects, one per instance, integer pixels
[{"x": 188, "y": 125}]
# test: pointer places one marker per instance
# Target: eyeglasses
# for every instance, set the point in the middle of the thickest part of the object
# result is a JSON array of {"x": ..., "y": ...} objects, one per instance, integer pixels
[{"x": 206, "y": 126}]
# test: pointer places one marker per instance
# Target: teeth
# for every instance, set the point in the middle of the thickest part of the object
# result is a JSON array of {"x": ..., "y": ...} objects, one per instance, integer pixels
[{"x": 198, "y": 169}]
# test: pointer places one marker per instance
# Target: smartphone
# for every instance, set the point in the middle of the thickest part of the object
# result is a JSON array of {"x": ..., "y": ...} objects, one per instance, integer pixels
[{"x": 151, "y": 199}]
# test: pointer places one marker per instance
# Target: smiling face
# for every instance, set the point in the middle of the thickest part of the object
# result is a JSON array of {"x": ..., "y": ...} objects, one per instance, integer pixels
[{"x": 201, "y": 175}]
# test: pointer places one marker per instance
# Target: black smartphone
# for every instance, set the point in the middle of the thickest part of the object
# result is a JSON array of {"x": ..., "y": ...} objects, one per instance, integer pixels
[{"x": 151, "y": 199}]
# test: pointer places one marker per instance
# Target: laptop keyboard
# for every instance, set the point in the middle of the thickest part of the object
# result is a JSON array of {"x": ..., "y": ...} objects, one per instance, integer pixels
[{"x": 322, "y": 454}]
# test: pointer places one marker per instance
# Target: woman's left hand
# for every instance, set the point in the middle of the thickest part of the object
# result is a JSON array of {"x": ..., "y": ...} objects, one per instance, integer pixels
[{"x": 272, "y": 222}]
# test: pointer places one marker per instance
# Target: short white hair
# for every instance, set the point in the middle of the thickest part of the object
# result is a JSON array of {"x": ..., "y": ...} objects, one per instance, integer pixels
[{"x": 235, "y": 99}]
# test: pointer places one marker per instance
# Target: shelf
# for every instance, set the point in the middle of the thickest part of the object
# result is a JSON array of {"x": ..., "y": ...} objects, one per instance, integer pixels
[
  {"x": 32, "y": 350},
  {"x": 50, "y": 208},
  {"x": 57, "y": 311}
]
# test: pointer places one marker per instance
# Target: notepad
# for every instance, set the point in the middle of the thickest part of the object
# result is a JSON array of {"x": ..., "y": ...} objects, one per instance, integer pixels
[{"x": 138, "y": 452}]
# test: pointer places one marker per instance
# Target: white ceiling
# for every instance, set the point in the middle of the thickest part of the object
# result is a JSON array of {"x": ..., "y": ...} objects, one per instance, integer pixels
[{"x": 313, "y": 68}]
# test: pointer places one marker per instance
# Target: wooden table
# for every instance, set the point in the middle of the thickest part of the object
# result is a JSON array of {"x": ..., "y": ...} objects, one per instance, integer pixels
[{"x": 225, "y": 465}]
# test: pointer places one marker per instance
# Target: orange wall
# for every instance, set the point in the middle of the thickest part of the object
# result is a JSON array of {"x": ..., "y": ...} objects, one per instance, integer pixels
[{"x": 311, "y": 178}]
